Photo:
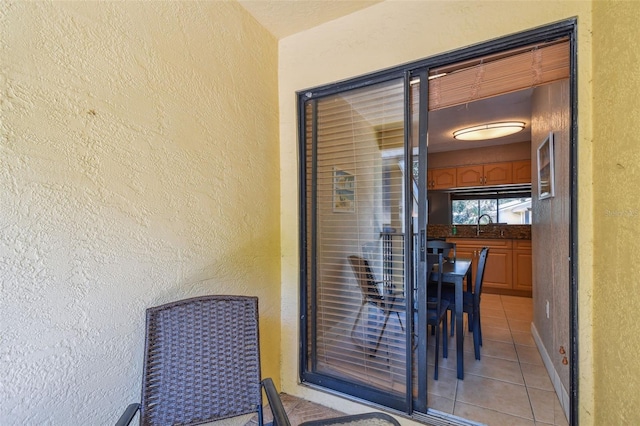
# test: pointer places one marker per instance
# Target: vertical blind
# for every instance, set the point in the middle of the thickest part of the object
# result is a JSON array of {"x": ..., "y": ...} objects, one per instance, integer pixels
[{"x": 355, "y": 172}]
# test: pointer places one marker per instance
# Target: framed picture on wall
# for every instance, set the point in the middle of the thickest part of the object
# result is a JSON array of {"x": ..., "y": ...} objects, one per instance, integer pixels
[
  {"x": 545, "y": 168},
  {"x": 344, "y": 191}
]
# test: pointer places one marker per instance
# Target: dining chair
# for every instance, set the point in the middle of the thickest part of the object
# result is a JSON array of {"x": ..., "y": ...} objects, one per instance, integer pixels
[
  {"x": 471, "y": 302},
  {"x": 437, "y": 309},
  {"x": 446, "y": 248},
  {"x": 448, "y": 251},
  {"x": 384, "y": 299}
]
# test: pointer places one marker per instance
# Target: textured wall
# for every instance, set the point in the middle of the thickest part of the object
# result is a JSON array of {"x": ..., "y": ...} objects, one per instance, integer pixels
[
  {"x": 550, "y": 230},
  {"x": 388, "y": 34},
  {"x": 616, "y": 213},
  {"x": 138, "y": 165}
]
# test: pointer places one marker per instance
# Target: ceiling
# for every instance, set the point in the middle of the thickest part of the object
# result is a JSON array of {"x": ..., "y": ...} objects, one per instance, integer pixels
[
  {"x": 515, "y": 106},
  {"x": 286, "y": 17}
]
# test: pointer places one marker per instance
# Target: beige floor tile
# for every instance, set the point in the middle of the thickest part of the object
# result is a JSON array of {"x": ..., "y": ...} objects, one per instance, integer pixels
[
  {"x": 519, "y": 304},
  {"x": 528, "y": 355},
  {"x": 489, "y": 417},
  {"x": 495, "y": 395},
  {"x": 519, "y": 326},
  {"x": 508, "y": 301},
  {"x": 541, "y": 402},
  {"x": 437, "y": 402},
  {"x": 445, "y": 386},
  {"x": 491, "y": 298},
  {"x": 495, "y": 304},
  {"x": 492, "y": 312},
  {"x": 523, "y": 338},
  {"x": 500, "y": 334},
  {"x": 519, "y": 314},
  {"x": 559, "y": 415},
  {"x": 493, "y": 368},
  {"x": 494, "y": 322},
  {"x": 493, "y": 348},
  {"x": 536, "y": 376}
]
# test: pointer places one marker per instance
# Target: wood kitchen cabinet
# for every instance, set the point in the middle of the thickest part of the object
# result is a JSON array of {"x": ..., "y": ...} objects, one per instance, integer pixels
[
  {"x": 441, "y": 178},
  {"x": 522, "y": 171},
  {"x": 485, "y": 174},
  {"x": 522, "y": 269},
  {"x": 508, "y": 269},
  {"x": 498, "y": 272}
]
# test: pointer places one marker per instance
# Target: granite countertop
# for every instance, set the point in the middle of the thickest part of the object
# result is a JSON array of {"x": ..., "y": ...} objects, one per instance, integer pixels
[{"x": 492, "y": 231}]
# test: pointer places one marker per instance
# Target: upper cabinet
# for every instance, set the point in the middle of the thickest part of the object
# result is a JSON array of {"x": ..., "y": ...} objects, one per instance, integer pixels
[
  {"x": 485, "y": 174},
  {"x": 441, "y": 178},
  {"x": 492, "y": 174},
  {"x": 522, "y": 171}
]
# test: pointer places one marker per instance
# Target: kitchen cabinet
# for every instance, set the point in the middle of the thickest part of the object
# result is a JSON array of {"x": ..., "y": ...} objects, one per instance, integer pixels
[
  {"x": 508, "y": 268},
  {"x": 522, "y": 171},
  {"x": 441, "y": 178},
  {"x": 485, "y": 174},
  {"x": 522, "y": 269}
]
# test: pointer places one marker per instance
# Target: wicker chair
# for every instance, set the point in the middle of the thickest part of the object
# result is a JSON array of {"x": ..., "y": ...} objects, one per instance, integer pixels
[
  {"x": 386, "y": 300},
  {"x": 202, "y": 364}
]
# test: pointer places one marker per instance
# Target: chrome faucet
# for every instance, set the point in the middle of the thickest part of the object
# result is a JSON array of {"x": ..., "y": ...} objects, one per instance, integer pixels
[{"x": 478, "y": 223}]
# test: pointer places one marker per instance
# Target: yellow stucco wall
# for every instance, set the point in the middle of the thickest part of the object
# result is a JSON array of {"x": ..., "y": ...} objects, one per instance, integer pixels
[
  {"x": 138, "y": 165},
  {"x": 396, "y": 32},
  {"x": 616, "y": 213}
]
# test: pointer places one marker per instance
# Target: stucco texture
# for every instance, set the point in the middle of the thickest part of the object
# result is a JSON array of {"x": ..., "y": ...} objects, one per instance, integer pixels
[
  {"x": 616, "y": 213},
  {"x": 138, "y": 165},
  {"x": 395, "y": 32}
]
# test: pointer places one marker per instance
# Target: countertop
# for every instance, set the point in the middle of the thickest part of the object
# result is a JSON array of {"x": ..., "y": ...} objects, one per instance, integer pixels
[{"x": 510, "y": 232}]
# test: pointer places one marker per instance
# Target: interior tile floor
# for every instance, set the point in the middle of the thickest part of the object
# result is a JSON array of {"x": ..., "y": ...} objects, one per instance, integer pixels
[{"x": 509, "y": 385}]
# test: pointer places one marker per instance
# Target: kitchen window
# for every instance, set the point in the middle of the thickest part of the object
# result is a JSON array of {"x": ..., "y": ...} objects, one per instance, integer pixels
[{"x": 512, "y": 211}]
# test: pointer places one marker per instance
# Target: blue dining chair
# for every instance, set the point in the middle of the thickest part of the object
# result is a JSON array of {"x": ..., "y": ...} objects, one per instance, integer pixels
[
  {"x": 471, "y": 302},
  {"x": 437, "y": 309}
]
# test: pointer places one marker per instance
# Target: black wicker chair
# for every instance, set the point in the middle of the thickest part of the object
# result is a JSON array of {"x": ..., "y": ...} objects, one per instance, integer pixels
[
  {"x": 202, "y": 364},
  {"x": 386, "y": 300}
]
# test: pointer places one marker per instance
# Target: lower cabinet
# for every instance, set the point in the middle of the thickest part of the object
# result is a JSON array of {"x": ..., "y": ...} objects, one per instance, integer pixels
[
  {"x": 508, "y": 269},
  {"x": 522, "y": 273}
]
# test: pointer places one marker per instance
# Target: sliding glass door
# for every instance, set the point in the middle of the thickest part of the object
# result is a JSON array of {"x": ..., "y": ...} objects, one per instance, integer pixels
[
  {"x": 360, "y": 198},
  {"x": 364, "y": 209}
]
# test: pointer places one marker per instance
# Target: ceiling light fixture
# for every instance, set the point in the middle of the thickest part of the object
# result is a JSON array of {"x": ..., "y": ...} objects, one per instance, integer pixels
[{"x": 489, "y": 131}]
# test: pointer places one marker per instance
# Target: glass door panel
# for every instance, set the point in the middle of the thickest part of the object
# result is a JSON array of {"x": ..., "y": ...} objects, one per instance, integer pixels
[{"x": 356, "y": 290}]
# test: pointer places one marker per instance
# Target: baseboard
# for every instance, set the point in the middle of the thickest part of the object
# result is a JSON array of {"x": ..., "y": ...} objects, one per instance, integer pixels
[{"x": 563, "y": 395}]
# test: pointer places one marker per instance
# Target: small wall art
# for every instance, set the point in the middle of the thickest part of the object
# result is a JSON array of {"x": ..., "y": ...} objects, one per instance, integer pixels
[
  {"x": 546, "y": 184},
  {"x": 344, "y": 191}
]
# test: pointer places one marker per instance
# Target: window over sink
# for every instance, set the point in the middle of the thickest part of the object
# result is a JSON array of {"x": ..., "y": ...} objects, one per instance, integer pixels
[{"x": 511, "y": 211}]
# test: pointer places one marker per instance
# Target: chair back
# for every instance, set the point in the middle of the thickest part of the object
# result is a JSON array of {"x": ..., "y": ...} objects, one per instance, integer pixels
[
  {"x": 434, "y": 301},
  {"x": 202, "y": 361},
  {"x": 482, "y": 261},
  {"x": 365, "y": 278},
  {"x": 442, "y": 247}
]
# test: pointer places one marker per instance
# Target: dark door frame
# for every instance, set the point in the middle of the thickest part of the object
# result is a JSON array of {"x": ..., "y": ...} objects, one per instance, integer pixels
[{"x": 566, "y": 28}]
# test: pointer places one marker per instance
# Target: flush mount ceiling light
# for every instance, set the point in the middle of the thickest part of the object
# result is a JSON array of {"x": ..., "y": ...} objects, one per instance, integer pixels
[{"x": 489, "y": 131}]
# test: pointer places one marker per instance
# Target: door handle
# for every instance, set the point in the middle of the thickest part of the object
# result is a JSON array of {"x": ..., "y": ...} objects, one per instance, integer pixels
[{"x": 423, "y": 238}]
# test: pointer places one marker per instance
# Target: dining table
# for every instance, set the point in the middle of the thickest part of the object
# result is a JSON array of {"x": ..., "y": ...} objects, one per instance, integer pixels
[{"x": 454, "y": 271}]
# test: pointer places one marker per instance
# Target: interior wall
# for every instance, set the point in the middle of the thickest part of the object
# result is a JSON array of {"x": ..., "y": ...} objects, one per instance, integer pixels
[
  {"x": 388, "y": 34},
  {"x": 550, "y": 113},
  {"x": 616, "y": 212},
  {"x": 490, "y": 154},
  {"x": 138, "y": 166}
]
